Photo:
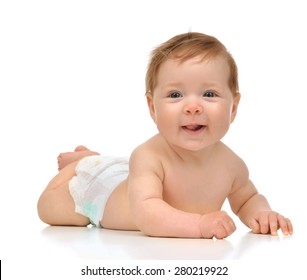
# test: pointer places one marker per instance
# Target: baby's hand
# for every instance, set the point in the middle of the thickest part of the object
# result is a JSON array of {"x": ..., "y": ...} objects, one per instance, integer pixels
[
  {"x": 269, "y": 222},
  {"x": 217, "y": 224}
]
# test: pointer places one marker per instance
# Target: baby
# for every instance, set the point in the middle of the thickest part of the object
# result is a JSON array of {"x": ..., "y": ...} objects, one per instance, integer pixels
[{"x": 174, "y": 184}]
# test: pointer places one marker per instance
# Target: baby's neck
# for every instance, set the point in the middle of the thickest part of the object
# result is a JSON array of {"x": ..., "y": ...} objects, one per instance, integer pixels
[{"x": 197, "y": 157}]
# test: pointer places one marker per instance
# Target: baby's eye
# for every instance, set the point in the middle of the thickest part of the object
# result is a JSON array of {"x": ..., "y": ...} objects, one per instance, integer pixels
[
  {"x": 175, "y": 94},
  {"x": 209, "y": 94}
]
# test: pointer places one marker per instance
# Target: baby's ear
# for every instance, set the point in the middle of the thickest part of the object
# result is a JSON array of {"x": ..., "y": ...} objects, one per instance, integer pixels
[
  {"x": 151, "y": 105},
  {"x": 236, "y": 101}
]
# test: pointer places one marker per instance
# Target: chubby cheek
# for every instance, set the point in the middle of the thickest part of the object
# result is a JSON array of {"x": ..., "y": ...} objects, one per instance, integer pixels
[
  {"x": 221, "y": 119},
  {"x": 165, "y": 120},
  {"x": 222, "y": 128}
]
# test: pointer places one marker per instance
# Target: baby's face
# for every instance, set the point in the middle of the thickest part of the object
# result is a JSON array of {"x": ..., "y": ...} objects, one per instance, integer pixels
[{"x": 192, "y": 104}]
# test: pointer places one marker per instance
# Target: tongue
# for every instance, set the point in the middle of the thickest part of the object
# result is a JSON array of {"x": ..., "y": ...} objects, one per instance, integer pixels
[{"x": 194, "y": 127}]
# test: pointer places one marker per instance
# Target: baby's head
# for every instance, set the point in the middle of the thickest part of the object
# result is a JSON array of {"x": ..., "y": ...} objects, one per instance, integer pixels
[{"x": 186, "y": 46}]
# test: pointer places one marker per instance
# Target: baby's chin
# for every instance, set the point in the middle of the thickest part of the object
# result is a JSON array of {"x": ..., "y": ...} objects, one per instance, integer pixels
[{"x": 193, "y": 146}]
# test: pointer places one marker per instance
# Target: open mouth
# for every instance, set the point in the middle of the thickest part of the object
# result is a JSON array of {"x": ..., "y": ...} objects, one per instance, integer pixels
[{"x": 194, "y": 127}]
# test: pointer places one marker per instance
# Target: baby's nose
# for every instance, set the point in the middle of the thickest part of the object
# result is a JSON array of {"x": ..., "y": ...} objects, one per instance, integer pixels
[{"x": 193, "y": 107}]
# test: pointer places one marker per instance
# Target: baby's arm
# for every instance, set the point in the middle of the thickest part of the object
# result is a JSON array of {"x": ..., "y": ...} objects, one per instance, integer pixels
[
  {"x": 155, "y": 217},
  {"x": 254, "y": 210}
]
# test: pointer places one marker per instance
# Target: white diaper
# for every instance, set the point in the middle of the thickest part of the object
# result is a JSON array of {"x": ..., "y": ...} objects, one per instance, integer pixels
[{"x": 96, "y": 177}]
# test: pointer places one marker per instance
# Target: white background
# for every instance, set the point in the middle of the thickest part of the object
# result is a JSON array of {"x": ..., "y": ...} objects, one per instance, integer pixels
[{"x": 72, "y": 72}]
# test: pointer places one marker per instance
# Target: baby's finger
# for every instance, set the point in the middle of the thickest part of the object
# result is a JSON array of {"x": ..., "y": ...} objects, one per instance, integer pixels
[
  {"x": 254, "y": 226},
  {"x": 273, "y": 223},
  {"x": 224, "y": 230},
  {"x": 264, "y": 224},
  {"x": 229, "y": 226},
  {"x": 285, "y": 225},
  {"x": 220, "y": 232},
  {"x": 290, "y": 227}
]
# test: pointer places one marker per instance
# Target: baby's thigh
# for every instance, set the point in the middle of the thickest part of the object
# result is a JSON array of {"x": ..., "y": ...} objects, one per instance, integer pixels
[{"x": 57, "y": 207}]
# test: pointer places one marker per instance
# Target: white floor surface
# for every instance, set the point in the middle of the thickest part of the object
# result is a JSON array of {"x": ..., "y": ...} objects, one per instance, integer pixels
[
  {"x": 53, "y": 252},
  {"x": 95, "y": 243}
]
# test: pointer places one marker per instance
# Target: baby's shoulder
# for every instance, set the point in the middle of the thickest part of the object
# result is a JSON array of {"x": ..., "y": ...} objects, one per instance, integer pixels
[
  {"x": 147, "y": 149},
  {"x": 152, "y": 148},
  {"x": 146, "y": 156},
  {"x": 234, "y": 162}
]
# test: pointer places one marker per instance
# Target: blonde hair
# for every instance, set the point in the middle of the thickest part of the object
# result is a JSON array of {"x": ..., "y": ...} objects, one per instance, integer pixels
[{"x": 185, "y": 46}]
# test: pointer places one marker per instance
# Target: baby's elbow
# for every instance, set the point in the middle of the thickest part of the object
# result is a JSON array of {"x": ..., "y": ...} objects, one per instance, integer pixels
[
  {"x": 145, "y": 223},
  {"x": 151, "y": 231}
]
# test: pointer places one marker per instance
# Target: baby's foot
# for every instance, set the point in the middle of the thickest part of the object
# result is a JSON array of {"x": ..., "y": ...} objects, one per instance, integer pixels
[{"x": 79, "y": 153}]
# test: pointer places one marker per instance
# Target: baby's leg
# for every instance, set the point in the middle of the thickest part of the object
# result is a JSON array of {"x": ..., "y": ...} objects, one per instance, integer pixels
[
  {"x": 55, "y": 205},
  {"x": 69, "y": 157}
]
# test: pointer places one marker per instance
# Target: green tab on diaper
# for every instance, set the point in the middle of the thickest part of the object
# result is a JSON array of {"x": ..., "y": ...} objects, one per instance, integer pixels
[{"x": 90, "y": 210}]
